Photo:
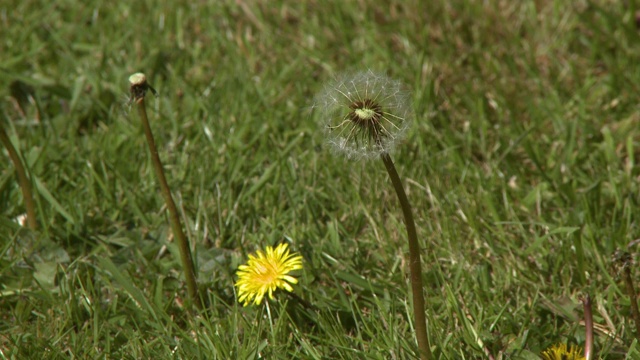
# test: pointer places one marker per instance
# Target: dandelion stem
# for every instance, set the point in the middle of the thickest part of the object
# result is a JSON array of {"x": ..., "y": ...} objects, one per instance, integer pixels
[
  {"x": 138, "y": 91},
  {"x": 23, "y": 180},
  {"x": 588, "y": 324},
  {"x": 414, "y": 261}
]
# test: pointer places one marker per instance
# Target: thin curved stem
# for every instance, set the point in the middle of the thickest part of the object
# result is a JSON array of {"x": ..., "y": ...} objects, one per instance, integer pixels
[
  {"x": 183, "y": 244},
  {"x": 414, "y": 261},
  {"x": 23, "y": 180}
]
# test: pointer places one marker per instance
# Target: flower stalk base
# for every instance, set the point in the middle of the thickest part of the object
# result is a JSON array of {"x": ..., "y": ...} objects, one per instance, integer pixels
[{"x": 415, "y": 266}]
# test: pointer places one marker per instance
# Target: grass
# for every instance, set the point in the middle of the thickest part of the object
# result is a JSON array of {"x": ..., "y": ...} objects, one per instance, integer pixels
[{"x": 521, "y": 167}]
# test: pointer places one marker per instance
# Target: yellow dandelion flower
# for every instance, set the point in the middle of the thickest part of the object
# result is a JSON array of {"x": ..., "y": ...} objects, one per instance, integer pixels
[
  {"x": 561, "y": 352},
  {"x": 265, "y": 272}
]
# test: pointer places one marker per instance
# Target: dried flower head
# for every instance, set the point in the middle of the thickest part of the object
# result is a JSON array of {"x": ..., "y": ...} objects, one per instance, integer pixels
[
  {"x": 561, "y": 352},
  {"x": 364, "y": 114},
  {"x": 265, "y": 272},
  {"x": 139, "y": 87}
]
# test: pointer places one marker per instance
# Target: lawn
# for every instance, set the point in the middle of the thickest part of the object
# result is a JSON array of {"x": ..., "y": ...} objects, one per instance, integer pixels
[{"x": 519, "y": 162}]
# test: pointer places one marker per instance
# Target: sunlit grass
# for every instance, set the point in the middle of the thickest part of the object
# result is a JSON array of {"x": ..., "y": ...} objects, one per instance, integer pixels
[{"x": 520, "y": 167}]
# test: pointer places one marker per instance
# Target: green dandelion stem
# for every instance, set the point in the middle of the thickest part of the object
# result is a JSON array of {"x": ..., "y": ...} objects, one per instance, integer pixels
[
  {"x": 414, "y": 261},
  {"x": 138, "y": 90},
  {"x": 588, "y": 324},
  {"x": 23, "y": 180}
]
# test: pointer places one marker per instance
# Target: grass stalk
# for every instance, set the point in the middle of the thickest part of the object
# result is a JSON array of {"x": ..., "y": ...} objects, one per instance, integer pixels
[
  {"x": 588, "y": 324},
  {"x": 623, "y": 261},
  {"x": 138, "y": 91},
  {"x": 628, "y": 282},
  {"x": 415, "y": 266},
  {"x": 23, "y": 180}
]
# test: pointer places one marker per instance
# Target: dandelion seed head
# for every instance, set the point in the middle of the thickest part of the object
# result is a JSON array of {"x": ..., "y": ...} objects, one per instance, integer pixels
[{"x": 363, "y": 114}]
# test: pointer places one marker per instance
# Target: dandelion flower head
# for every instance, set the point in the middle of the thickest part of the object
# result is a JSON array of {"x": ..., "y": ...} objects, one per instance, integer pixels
[
  {"x": 265, "y": 272},
  {"x": 562, "y": 352},
  {"x": 364, "y": 114}
]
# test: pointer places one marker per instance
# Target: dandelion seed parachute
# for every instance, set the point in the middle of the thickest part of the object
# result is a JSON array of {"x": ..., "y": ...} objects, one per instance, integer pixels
[{"x": 364, "y": 114}]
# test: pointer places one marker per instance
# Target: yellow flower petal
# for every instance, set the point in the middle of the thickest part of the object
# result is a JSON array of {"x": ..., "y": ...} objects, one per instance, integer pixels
[
  {"x": 561, "y": 352},
  {"x": 265, "y": 272}
]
